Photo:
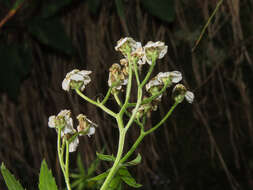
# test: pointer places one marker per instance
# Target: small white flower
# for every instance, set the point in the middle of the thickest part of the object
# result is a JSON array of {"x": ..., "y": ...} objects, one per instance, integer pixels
[
  {"x": 63, "y": 120},
  {"x": 150, "y": 47},
  {"x": 124, "y": 44},
  {"x": 174, "y": 76},
  {"x": 85, "y": 125},
  {"x": 180, "y": 92},
  {"x": 73, "y": 145},
  {"x": 152, "y": 83},
  {"x": 76, "y": 76}
]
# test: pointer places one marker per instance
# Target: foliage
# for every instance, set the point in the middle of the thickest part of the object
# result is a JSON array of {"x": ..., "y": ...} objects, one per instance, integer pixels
[
  {"x": 17, "y": 48},
  {"x": 46, "y": 179}
]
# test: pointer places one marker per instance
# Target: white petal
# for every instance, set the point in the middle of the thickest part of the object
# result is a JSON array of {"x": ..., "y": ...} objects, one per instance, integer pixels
[
  {"x": 162, "y": 75},
  {"x": 76, "y": 77},
  {"x": 65, "y": 84},
  {"x": 91, "y": 131},
  {"x": 51, "y": 121},
  {"x": 151, "y": 83},
  {"x": 84, "y": 72},
  {"x": 176, "y": 76},
  {"x": 189, "y": 96},
  {"x": 73, "y": 145}
]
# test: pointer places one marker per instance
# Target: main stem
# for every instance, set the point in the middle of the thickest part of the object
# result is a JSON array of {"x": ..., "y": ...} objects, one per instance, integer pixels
[{"x": 116, "y": 163}]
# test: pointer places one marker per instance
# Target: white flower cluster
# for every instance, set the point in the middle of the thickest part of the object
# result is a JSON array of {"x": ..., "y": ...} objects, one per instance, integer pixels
[
  {"x": 144, "y": 54},
  {"x": 64, "y": 121},
  {"x": 76, "y": 80}
]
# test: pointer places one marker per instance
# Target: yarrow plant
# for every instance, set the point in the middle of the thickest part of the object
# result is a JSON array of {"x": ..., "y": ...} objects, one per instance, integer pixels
[{"x": 120, "y": 82}]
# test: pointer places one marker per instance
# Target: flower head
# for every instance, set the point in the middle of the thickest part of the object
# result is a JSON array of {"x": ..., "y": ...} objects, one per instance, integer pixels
[
  {"x": 173, "y": 77},
  {"x": 86, "y": 126},
  {"x": 154, "y": 86},
  {"x": 154, "y": 49},
  {"x": 180, "y": 92},
  {"x": 76, "y": 80},
  {"x": 63, "y": 121},
  {"x": 117, "y": 77},
  {"x": 127, "y": 45}
]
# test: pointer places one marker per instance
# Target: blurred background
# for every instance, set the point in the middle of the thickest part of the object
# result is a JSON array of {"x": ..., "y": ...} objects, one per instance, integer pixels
[{"x": 206, "y": 145}]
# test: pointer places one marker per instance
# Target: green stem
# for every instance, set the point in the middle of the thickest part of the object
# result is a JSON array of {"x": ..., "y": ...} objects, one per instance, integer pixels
[
  {"x": 149, "y": 72},
  {"x": 116, "y": 163},
  {"x": 67, "y": 166},
  {"x": 106, "y": 96},
  {"x": 136, "y": 73},
  {"x": 60, "y": 156},
  {"x": 117, "y": 99},
  {"x": 96, "y": 104},
  {"x": 163, "y": 120},
  {"x": 143, "y": 134},
  {"x": 133, "y": 148},
  {"x": 129, "y": 86}
]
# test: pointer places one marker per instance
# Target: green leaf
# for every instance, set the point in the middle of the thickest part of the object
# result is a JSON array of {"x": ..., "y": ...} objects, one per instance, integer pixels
[
  {"x": 109, "y": 158},
  {"x": 46, "y": 180},
  {"x": 93, "y": 167},
  {"x": 51, "y": 33},
  {"x": 94, "y": 5},
  {"x": 99, "y": 177},
  {"x": 163, "y": 9},
  {"x": 51, "y": 8},
  {"x": 120, "y": 8},
  {"x": 80, "y": 164},
  {"x": 115, "y": 183},
  {"x": 10, "y": 180},
  {"x": 134, "y": 162},
  {"x": 17, "y": 61},
  {"x": 127, "y": 178}
]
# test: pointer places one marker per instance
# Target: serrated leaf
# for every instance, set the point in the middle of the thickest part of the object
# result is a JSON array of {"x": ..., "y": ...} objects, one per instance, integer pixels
[
  {"x": 120, "y": 8},
  {"x": 46, "y": 179},
  {"x": 93, "y": 167},
  {"x": 163, "y": 9},
  {"x": 115, "y": 183},
  {"x": 99, "y": 177},
  {"x": 134, "y": 162},
  {"x": 52, "y": 7},
  {"x": 109, "y": 158},
  {"x": 10, "y": 180},
  {"x": 80, "y": 164},
  {"x": 51, "y": 33},
  {"x": 127, "y": 178}
]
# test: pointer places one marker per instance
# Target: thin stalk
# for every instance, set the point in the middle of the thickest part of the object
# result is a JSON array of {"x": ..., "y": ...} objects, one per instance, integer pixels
[
  {"x": 106, "y": 96},
  {"x": 149, "y": 72},
  {"x": 116, "y": 163},
  {"x": 110, "y": 112},
  {"x": 163, "y": 120},
  {"x": 117, "y": 99},
  {"x": 136, "y": 73},
  {"x": 67, "y": 166},
  {"x": 129, "y": 86},
  {"x": 133, "y": 148},
  {"x": 206, "y": 25}
]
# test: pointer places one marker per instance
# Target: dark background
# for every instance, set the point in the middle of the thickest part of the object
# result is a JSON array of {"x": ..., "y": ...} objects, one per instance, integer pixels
[{"x": 207, "y": 145}]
